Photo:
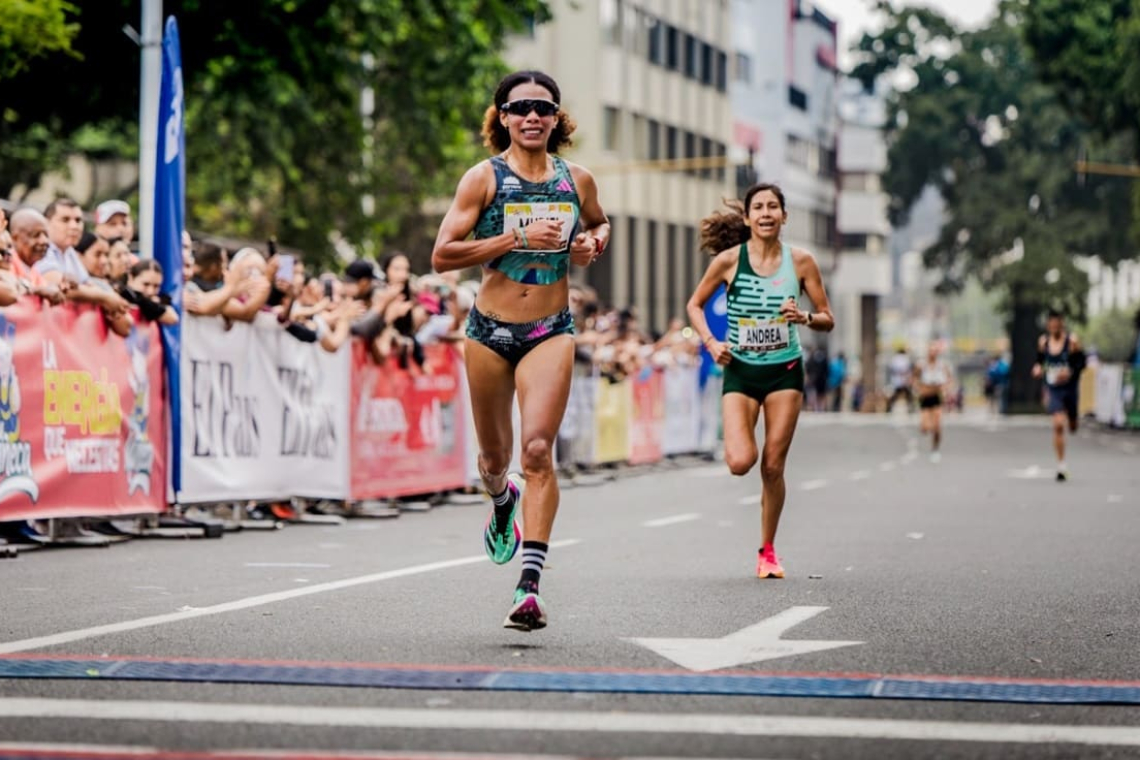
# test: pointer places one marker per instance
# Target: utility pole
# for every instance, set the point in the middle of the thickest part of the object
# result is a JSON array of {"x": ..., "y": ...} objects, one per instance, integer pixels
[{"x": 150, "y": 82}]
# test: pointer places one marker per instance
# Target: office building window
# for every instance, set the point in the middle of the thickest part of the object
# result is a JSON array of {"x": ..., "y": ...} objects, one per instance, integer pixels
[
  {"x": 640, "y": 138},
  {"x": 862, "y": 182},
  {"x": 706, "y": 154},
  {"x": 798, "y": 151},
  {"x": 631, "y": 261},
  {"x": 673, "y": 271},
  {"x": 633, "y": 30},
  {"x": 611, "y": 128},
  {"x": 742, "y": 68},
  {"x": 671, "y": 146},
  {"x": 722, "y": 169},
  {"x": 654, "y": 297},
  {"x": 690, "y": 149},
  {"x": 827, "y": 162},
  {"x": 610, "y": 13},
  {"x": 600, "y": 274},
  {"x": 672, "y": 48},
  {"x": 691, "y": 61},
  {"x": 708, "y": 73},
  {"x": 797, "y": 97},
  {"x": 721, "y": 71},
  {"x": 690, "y": 255},
  {"x": 654, "y": 129},
  {"x": 656, "y": 31}
]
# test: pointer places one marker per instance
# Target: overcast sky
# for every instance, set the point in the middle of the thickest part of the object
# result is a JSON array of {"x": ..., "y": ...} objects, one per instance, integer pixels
[{"x": 854, "y": 17}]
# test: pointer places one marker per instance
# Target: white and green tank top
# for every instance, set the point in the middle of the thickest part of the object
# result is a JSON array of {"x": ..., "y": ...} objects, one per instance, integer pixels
[{"x": 757, "y": 333}]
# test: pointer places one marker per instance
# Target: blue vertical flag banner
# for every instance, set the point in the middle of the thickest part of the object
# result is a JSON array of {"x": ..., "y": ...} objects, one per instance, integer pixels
[
  {"x": 716, "y": 314},
  {"x": 169, "y": 221}
]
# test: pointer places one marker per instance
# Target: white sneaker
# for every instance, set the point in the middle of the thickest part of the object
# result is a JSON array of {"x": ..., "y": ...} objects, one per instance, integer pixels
[{"x": 935, "y": 457}]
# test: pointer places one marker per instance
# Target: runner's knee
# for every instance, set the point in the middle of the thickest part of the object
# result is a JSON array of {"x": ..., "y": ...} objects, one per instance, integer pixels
[
  {"x": 537, "y": 457},
  {"x": 494, "y": 464},
  {"x": 740, "y": 462},
  {"x": 772, "y": 468}
]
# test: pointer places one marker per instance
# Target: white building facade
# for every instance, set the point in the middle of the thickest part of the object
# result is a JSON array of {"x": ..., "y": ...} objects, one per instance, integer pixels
[
  {"x": 785, "y": 117},
  {"x": 647, "y": 83}
]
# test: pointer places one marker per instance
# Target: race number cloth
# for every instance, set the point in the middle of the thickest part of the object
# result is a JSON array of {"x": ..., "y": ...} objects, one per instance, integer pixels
[
  {"x": 516, "y": 216},
  {"x": 81, "y": 409},
  {"x": 764, "y": 335},
  {"x": 264, "y": 416}
]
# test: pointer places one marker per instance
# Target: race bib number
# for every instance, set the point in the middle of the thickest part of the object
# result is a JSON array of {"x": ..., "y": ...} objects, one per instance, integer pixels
[
  {"x": 517, "y": 216},
  {"x": 763, "y": 335},
  {"x": 1053, "y": 374}
]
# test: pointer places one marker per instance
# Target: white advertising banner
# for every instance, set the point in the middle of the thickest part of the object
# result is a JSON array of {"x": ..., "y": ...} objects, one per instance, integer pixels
[
  {"x": 264, "y": 415},
  {"x": 1109, "y": 407},
  {"x": 682, "y": 410}
]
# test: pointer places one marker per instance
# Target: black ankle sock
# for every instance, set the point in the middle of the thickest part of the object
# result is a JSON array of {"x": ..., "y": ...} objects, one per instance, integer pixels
[
  {"x": 504, "y": 505},
  {"x": 533, "y": 560}
]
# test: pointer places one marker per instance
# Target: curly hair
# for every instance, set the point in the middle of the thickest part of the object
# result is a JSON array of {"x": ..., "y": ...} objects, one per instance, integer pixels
[
  {"x": 495, "y": 135},
  {"x": 722, "y": 230}
]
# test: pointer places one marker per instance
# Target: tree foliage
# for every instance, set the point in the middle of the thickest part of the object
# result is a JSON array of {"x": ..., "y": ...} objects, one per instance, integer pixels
[
  {"x": 277, "y": 143},
  {"x": 999, "y": 146},
  {"x": 31, "y": 29},
  {"x": 1090, "y": 50}
]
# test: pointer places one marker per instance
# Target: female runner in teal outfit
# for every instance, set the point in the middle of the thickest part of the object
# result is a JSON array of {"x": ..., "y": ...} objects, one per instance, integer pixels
[
  {"x": 532, "y": 215},
  {"x": 762, "y": 358}
]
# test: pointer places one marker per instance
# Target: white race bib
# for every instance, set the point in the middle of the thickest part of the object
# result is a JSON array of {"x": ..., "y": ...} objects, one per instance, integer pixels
[
  {"x": 1053, "y": 373},
  {"x": 517, "y": 216},
  {"x": 763, "y": 335}
]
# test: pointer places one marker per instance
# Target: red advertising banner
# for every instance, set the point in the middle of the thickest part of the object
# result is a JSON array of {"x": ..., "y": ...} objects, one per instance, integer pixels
[
  {"x": 647, "y": 426},
  {"x": 81, "y": 414},
  {"x": 407, "y": 425}
]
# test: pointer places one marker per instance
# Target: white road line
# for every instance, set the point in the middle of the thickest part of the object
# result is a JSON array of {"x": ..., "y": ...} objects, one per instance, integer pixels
[
  {"x": 287, "y": 564},
  {"x": 661, "y": 522},
  {"x": 94, "y": 751},
  {"x": 580, "y": 721},
  {"x": 66, "y": 637},
  {"x": 813, "y": 485},
  {"x": 860, "y": 474},
  {"x": 887, "y": 466},
  {"x": 753, "y": 499}
]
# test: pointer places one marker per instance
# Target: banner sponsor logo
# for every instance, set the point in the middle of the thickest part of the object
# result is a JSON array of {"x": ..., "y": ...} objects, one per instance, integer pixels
[{"x": 15, "y": 454}]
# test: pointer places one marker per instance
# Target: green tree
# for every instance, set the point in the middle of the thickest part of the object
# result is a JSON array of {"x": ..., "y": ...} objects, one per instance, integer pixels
[
  {"x": 1113, "y": 334},
  {"x": 1090, "y": 50},
  {"x": 276, "y": 140},
  {"x": 999, "y": 146},
  {"x": 31, "y": 29}
]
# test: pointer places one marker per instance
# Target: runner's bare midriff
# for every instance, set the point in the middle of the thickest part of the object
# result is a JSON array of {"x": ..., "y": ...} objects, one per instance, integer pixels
[{"x": 504, "y": 299}]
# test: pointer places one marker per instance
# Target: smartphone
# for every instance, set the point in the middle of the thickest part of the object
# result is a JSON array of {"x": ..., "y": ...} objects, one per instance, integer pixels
[
  {"x": 285, "y": 264},
  {"x": 329, "y": 289}
]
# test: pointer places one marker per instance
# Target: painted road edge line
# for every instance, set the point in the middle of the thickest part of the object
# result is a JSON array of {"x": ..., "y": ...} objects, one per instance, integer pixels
[
  {"x": 582, "y": 721},
  {"x": 66, "y": 637},
  {"x": 661, "y": 522}
]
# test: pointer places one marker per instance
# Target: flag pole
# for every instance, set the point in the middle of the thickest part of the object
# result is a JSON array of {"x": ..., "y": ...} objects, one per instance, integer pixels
[{"x": 150, "y": 80}]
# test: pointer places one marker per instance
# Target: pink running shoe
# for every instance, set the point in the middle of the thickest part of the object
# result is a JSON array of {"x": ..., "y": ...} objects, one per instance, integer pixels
[{"x": 768, "y": 564}]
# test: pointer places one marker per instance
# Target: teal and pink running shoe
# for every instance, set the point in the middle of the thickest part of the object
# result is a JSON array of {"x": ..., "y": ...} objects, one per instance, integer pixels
[
  {"x": 502, "y": 541},
  {"x": 768, "y": 564},
  {"x": 528, "y": 612}
]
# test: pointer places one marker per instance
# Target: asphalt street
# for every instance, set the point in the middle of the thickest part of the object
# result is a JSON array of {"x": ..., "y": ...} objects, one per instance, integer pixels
[{"x": 978, "y": 569}]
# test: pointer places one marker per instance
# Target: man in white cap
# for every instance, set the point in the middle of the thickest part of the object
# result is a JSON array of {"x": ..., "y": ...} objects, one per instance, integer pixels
[{"x": 113, "y": 220}]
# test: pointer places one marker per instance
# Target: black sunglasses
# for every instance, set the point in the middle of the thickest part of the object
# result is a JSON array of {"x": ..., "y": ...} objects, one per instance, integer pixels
[{"x": 525, "y": 106}]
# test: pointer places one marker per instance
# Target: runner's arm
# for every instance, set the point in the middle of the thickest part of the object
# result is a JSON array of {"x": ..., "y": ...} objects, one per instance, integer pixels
[
  {"x": 595, "y": 223},
  {"x": 714, "y": 277},
  {"x": 807, "y": 270},
  {"x": 452, "y": 248}
]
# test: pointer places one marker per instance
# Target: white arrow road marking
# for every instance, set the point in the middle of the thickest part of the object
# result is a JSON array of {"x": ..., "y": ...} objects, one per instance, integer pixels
[
  {"x": 661, "y": 522},
  {"x": 752, "y": 644}
]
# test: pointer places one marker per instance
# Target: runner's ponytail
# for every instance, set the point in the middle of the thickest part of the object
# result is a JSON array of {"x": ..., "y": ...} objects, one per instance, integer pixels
[{"x": 722, "y": 230}]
